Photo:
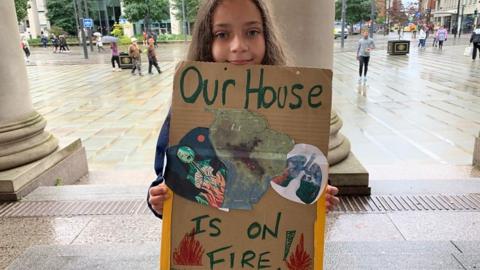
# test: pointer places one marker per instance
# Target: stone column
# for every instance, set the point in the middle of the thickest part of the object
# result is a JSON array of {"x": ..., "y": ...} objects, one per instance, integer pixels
[
  {"x": 174, "y": 23},
  {"x": 307, "y": 26},
  {"x": 22, "y": 135}
]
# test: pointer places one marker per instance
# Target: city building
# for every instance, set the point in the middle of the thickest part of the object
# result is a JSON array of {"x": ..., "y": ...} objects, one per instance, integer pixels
[
  {"x": 105, "y": 13},
  {"x": 448, "y": 13},
  {"x": 36, "y": 20}
]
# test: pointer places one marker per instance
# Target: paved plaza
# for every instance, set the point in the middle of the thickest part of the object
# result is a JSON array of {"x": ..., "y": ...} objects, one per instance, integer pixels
[{"x": 412, "y": 125}]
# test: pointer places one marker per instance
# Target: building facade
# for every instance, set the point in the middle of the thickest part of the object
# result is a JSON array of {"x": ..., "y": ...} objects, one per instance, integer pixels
[
  {"x": 36, "y": 21},
  {"x": 450, "y": 13}
]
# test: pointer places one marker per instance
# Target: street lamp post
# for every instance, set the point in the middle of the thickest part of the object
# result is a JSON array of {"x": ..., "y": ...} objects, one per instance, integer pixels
[
  {"x": 344, "y": 7},
  {"x": 461, "y": 20},
  {"x": 372, "y": 17},
  {"x": 387, "y": 11},
  {"x": 184, "y": 26},
  {"x": 80, "y": 27},
  {"x": 458, "y": 19},
  {"x": 89, "y": 29}
]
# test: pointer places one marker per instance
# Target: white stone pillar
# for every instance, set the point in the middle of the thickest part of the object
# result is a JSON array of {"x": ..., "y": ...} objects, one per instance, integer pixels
[
  {"x": 307, "y": 26},
  {"x": 22, "y": 138},
  {"x": 33, "y": 18},
  {"x": 174, "y": 23}
]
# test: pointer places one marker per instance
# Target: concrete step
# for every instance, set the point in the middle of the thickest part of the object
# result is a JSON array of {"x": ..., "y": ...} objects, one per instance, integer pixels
[
  {"x": 88, "y": 193},
  {"x": 338, "y": 255}
]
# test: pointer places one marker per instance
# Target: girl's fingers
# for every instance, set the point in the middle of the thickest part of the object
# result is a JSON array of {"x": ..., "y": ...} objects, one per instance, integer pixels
[
  {"x": 332, "y": 190},
  {"x": 158, "y": 190},
  {"x": 158, "y": 200}
]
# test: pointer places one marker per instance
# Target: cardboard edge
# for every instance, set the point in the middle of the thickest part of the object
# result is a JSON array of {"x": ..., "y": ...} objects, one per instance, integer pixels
[
  {"x": 165, "y": 246},
  {"x": 319, "y": 232}
]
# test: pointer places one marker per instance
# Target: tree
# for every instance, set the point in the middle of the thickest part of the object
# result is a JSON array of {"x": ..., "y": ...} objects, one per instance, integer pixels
[
  {"x": 356, "y": 11},
  {"x": 21, "y": 7},
  {"x": 191, "y": 9},
  {"x": 148, "y": 10},
  {"x": 61, "y": 14},
  {"x": 397, "y": 13}
]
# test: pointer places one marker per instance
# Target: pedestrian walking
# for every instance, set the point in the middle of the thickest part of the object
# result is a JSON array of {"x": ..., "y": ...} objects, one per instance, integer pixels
[
  {"x": 55, "y": 43},
  {"x": 475, "y": 39},
  {"x": 44, "y": 40},
  {"x": 365, "y": 46},
  {"x": 152, "y": 59},
  {"x": 135, "y": 53},
  {"x": 26, "y": 48},
  {"x": 205, "y": 48},
  {"x": 441, "y": 36},
  {"x": 100, "y": 44},
  {"x": 422, "y": 38},
  {"x": 145, "y": 38},
  {"x": 115, "y": 56},
  {"x": 63, "y": 43}
]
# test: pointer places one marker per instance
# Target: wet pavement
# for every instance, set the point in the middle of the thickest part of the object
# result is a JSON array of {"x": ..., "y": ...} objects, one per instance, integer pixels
[{"x": 415, "y": 118}]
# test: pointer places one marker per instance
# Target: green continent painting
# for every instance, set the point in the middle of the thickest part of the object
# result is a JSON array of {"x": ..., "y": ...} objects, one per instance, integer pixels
[{"x": 252, "y": 152}]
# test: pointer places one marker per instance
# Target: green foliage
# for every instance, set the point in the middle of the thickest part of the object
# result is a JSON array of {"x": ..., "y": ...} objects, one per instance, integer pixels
[
  {"x": 56, "y": 30},
  {"x": 117, "y": 30},
  {"x": 172, "y": 37},
  {"x": 21, "y": 7},
  {"x": 58, "y": 182},
  {"x": 191, "y": 9},
  {"x": 61, "y": 14},
  {"x": 124, "y": 40},
  {"x": 356, "y": 11},
  {"x": 156, "y": 10}
]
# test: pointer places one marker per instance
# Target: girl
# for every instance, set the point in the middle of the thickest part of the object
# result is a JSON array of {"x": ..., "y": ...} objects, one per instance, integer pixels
[
  {"x": 115, "y": 56},
  {"x": 224, "y": 34}
]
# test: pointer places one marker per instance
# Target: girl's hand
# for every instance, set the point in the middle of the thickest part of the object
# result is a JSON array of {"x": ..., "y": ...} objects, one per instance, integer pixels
[
  {"x": 158, "y": 194},
  {"x": 331, "y": 199}
]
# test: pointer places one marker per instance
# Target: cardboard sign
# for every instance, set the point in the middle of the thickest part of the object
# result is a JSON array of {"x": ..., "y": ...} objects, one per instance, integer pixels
[{"x": 247, "y": 167}]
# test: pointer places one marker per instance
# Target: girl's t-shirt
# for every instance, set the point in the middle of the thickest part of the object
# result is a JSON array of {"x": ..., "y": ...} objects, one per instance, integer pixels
[{"x": 115, "y": 51}]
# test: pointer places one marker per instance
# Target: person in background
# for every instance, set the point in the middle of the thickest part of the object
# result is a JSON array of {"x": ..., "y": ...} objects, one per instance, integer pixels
[
  {"x": 365, "y": 45},
  {"x": 152, "y": 59},
  {"x": 475, "y": 40},
  {"x": 115, "y": 56},
  {"x": 44, "y": 40},
  {"x": 63, "y": 43},
  {"x": 55, "y": 43},
  {"x": 422, "y": 37},
  {"x": 100, "y": 44},
  {"x": 26, "y": 48},
  {"x": 145, "y": 37},
  {"x": 135, "y": 53},
  {"x": 441, "y": 36}
]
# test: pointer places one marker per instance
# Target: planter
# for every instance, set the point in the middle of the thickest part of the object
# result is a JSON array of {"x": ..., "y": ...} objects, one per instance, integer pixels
[
  {"x": 125, "y": 61},
  {"x": 398, "y": 47}
]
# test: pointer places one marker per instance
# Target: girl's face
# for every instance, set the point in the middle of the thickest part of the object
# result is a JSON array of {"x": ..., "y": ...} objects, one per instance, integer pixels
[{"x": 238, "y": 36}]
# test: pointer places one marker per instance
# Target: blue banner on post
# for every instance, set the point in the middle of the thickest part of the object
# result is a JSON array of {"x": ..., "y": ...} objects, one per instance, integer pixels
[{"x": 87, "y": 23}]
